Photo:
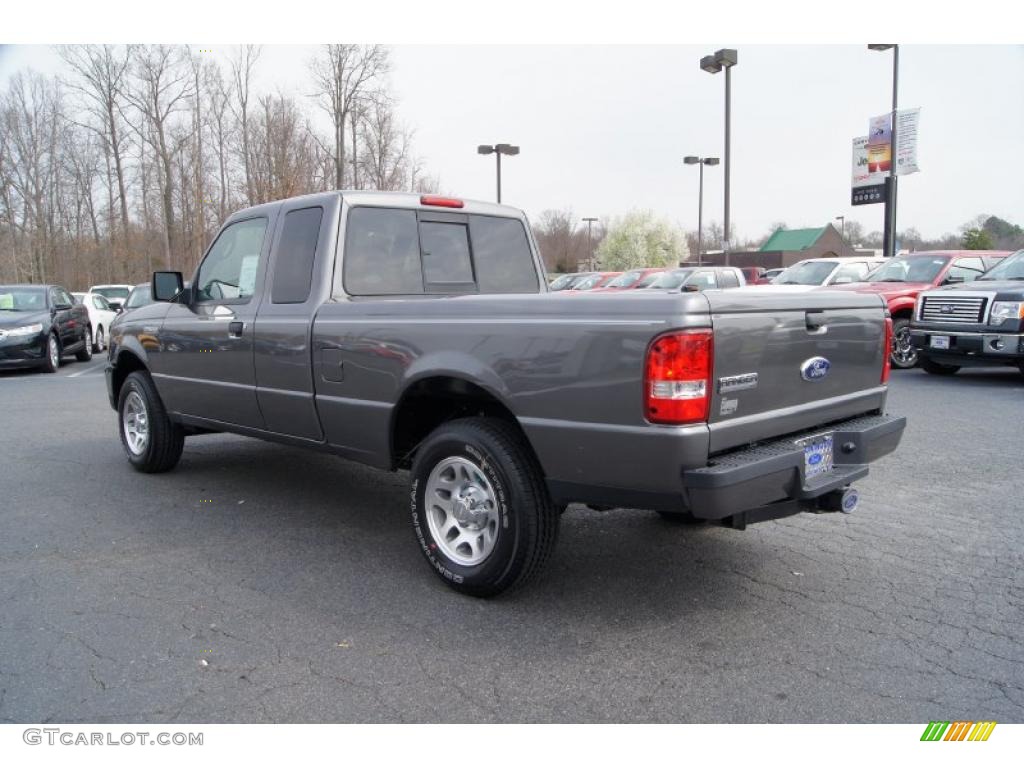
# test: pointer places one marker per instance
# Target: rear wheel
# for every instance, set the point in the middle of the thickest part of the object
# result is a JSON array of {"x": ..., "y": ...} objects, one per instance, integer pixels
[
  {"x": 152, "y": 442},
  {"x": 84, "y": 355},
  {"x": 904, "y": 353},
  {"x": 938, "y": 369},
  {"x": 480, "y": 508}
]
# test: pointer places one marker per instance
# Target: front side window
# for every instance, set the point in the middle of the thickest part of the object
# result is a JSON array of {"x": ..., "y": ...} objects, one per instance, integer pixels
[
  {"x": 703, "y": 279},
  {"x": 670, "y": 280},
  {"x": 729, "y": 279},
  {"x": 229, "y": 270},
  {"x": 966, "y": 269},
  {"x": 100, "y": 303}
]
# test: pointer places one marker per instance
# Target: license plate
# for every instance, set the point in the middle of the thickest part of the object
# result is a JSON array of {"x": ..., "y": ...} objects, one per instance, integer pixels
[
  {"x": 940, "y": 342},
  {"x": 818, "y": 457}
]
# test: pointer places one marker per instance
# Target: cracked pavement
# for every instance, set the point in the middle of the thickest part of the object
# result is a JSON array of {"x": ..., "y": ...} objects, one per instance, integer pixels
[{"x": 298, "y": 594}]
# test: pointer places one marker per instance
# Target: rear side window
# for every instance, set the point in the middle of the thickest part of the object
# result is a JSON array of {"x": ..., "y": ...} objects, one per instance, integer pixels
[
  {"x": 728, "y": 279},
  {"x": 382, "y": 254},
  {"x": 293, "y": 270},
  {"x": 446, "y": 262},
  {"x": 501, "y": 253}
]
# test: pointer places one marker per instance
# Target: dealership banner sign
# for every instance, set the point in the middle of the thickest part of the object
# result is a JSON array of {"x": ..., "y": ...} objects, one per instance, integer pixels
[
  {"x": 868, "y": 185},
  {"x": 873, "y": 156}
]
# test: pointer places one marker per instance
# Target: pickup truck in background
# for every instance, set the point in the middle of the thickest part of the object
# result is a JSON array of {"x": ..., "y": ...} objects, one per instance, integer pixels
[
  {"x": 976, "y": 323},
  {"x": 901, "y": 279},
  {"x": 417, "y": 333}
]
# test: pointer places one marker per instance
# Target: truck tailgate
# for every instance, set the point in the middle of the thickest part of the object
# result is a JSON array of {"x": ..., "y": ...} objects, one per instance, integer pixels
[{"x": 785, "y": 362}]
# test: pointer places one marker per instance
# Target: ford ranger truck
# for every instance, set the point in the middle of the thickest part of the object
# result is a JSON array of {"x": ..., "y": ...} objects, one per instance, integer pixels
[
  {"x": 417, "y": 333},
  {"x": 976, "y": 323}
]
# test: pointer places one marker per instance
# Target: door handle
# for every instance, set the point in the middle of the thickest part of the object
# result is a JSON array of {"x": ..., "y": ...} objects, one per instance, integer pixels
[{"x": 235, "y": 328}]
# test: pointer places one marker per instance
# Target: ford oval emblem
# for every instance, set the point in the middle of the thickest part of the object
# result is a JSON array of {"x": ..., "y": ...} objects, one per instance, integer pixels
[
  {"x": 814, "y": 369},
  {"x": 946, "y": 309}
]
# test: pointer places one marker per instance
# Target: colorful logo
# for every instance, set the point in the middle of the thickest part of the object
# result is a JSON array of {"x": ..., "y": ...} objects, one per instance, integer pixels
[{"x": 961, "y": 730}]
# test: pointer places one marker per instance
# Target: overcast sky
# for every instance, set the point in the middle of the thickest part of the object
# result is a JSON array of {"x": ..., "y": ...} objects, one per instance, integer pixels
[{"x": 603, "y": 129}]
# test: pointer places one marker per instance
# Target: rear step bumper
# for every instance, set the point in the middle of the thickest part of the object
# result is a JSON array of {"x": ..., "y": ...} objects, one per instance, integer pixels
[{"x": 767, "y": 481}]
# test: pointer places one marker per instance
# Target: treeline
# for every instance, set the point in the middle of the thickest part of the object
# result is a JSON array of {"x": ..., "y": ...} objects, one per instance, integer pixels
[{"x": 129, "y": 159}]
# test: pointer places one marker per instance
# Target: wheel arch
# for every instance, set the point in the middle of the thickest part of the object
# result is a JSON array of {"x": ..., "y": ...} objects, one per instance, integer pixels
[{"x": 433, "y": 399}]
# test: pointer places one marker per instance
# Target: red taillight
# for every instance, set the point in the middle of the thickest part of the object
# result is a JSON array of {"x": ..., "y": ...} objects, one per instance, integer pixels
[
  {"x": 443, "y": 202},
  {"x": 887, "y": 351},
  {"x": 677, "y": 377}
]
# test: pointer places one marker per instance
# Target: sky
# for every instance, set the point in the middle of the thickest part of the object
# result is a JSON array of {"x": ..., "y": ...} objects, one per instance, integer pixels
[{"x": 604, "y": 129}]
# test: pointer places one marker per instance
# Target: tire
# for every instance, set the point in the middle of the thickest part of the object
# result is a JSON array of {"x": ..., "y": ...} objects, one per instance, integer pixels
[
  {"x": 505, "y": 526},
  {"x": 681, "y": 518},
  {"x": 51, "y": 355},
  {"x": 162, "y": 440},
  {"x": 938, "y": 369},
  {"x": 84, "y": 355},
  {"x": 99, "y": 343},
  {"x": 903, "y": 354},
  {"x": 1020, "y": 367}
]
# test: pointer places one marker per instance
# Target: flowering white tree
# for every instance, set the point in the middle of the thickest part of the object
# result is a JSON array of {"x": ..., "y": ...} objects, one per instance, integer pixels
[{"x": 640, "y": 239}]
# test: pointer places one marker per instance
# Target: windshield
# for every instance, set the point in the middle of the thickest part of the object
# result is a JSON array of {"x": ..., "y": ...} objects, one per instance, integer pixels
[
  {"x": 15, "y": 299},
  {"x": 909, "y": 269},
  {"x": 561, "y": 283},
  {"x": 113, "y": 293},
  {"x": 671, "y": 280},
  {"x": 646, "y": 282},
  {"x": 1010, "y": 268},
  {"x": 139, "y": 297},
  {"x": 626, "y": 279},
  {"x": 806, "y": 273},
  {"x": 586, "y": 283}
]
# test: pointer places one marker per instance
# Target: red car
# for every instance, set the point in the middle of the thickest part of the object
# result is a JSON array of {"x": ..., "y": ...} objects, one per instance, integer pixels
[
  {"x": 900, "y": 279},
  {"x": 755, "y": 275},
  {"x": 634, "y": 278}
]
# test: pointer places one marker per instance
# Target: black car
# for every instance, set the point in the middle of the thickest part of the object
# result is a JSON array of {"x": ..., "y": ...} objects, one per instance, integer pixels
[
  {"x": 976, "y": 323},
  {"x": 39, "y": 324}
]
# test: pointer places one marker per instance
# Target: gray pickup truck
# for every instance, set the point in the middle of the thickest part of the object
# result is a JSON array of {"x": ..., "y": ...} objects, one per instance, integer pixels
[{"x": 416, "y": 333}]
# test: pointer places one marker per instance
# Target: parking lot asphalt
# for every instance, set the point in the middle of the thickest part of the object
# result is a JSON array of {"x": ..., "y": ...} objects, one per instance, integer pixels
[{"x": 263, "y": 583}]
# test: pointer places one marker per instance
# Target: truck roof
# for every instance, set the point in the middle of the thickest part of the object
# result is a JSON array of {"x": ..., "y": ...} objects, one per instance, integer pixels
[{"x": 399, "y": 200}]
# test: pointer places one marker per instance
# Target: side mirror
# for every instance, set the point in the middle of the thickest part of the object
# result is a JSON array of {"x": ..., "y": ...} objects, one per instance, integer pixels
[
  {"x": 842, "y": 280},
  {"x": 950, "y": 279},
  {"x": 166, "y": 285}
]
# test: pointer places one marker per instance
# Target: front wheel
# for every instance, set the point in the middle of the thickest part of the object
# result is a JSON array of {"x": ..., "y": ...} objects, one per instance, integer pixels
[
  {"x": 938, "y": 369},
  {"x": 904, "y": 353},
  {"x": 100, "y": 342},
  {"x": 152, "y": 442},
  {"x": 51, "y": 354},
  {"x": 84, "y": 355},
  {"x": 480, "y": 508}
]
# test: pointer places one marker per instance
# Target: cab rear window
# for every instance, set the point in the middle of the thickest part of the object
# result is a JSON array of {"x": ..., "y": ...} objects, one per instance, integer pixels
[{"x": 397, "y": 252}]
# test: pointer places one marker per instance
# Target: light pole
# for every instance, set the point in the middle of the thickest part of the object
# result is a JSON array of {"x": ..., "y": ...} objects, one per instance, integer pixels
[
  {"x": 590, "y": 248},
  {"x": 842, "y": 223},
  {"x": 700, "y": 161},
  {"x": 498, "y": 150},
  {"x": 889, "y": 228},
  {"x": 726, "y": 59}
]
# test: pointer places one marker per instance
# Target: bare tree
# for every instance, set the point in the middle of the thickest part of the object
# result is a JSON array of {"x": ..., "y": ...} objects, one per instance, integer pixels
[
  {"x": 161, "y": 87},
  {"x": 242, "y": 67},
  {"x": 100, "y": 78},
  {"x": 343, "y": 75}
]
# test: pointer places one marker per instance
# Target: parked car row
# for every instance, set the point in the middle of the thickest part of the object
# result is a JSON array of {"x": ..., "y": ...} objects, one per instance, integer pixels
[
  {"x": 41, "y": 324},
  {"x": 964, "y": 327}
]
